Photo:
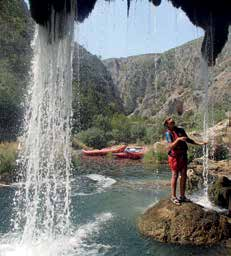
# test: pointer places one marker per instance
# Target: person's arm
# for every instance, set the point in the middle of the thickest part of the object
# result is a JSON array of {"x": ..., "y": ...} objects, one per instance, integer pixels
[
  {"x": 172, "y": 144},
  {"x": 191, "y": 141}
]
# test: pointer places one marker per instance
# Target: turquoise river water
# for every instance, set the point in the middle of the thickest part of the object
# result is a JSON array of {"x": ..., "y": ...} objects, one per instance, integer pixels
[{"x": 107, "y": 197}]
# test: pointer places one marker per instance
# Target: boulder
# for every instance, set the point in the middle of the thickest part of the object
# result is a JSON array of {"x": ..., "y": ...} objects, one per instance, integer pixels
[
  {"x": 188, "y": 223},
  {"x": 220, "y": 192},
  {"x": 194, "y": 181},
  {"x": 195, "y": 172}
]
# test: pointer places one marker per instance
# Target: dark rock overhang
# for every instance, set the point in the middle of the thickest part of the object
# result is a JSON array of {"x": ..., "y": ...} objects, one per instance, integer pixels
[
  {"x": 41, "y": 10},
  {"x": 213, "y": 16}
]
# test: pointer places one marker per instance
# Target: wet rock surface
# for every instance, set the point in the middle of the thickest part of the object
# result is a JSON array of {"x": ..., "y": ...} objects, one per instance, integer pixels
[
  {"x": 220, "y": 192},
  {"x": 216, "y": 169},
  {"x": 185, "y": 224}
]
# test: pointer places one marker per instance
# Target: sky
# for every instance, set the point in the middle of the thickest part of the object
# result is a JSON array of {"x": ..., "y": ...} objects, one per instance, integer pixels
[
  {"x": 148, "y": 29},
  {"x": 109, "y": 33}
]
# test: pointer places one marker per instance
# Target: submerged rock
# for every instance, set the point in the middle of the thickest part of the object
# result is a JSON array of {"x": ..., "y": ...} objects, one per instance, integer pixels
[{"x": 185, "y": 224}]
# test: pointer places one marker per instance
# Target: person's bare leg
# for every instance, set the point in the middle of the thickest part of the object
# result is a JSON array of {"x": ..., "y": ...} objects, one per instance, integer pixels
[
  {"x": 183, "y": 179},
  {"x": 174, "y": 183}
]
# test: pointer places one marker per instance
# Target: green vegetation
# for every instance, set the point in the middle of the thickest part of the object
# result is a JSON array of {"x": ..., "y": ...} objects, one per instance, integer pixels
[
  {"x": 158, "y": 157},
  {"x": 93, "y": 137},
  {"x": 119, "y": 128},
  {"x": 8, "y": 155},
  {"x": 15, "y": 36},
  {"x": 93, "y": 91}
]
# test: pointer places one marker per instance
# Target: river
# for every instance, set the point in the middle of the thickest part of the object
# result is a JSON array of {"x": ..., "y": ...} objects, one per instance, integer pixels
[{"x": 107, "y": 196}]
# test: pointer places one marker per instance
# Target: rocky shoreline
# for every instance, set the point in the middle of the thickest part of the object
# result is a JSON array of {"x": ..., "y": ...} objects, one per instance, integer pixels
[{"x": 191, "y": 223}]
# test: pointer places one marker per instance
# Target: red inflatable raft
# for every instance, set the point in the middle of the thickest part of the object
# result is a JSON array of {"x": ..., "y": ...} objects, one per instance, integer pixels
[
  {"x": 104, "y": 151},
  {"x": 131, "y": 153}
]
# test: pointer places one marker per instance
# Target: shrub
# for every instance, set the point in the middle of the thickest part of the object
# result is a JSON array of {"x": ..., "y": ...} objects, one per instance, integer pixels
[
  {"x": 154, "y": 134},
  {"x": 121, "y": 128},
  {"x": 75, "y": 159},
  {"x": 155, "y": 157},
  {"x": 161, "y": 157},
  {"x": 76, "y": 143},
  {"x": 103, "y": 123},
  {"x": 149, "y": 157},
  {"x": 138, "y": 132},
  {"x": 8, "y": 156},
  {"x": 93, "y": 137}
]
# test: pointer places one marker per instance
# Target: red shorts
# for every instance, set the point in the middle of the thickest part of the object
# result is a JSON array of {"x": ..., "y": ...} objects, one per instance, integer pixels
[{"x": 177, "y": 163}]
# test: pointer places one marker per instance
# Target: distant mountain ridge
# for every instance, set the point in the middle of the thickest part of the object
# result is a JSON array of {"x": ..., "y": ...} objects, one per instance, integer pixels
[{"x": 154, "y": 85}]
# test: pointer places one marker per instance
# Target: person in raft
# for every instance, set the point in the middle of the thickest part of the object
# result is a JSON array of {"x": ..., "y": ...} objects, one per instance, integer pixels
[{"x": 177, "y": 157}]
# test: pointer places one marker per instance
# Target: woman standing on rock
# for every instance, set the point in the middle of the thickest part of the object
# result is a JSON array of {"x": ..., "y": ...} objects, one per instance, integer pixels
[{"x": 177, "y": 157}]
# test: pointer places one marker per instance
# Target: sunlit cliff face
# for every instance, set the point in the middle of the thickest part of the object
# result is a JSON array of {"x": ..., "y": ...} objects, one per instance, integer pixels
[{"x": 213, "y": 16}]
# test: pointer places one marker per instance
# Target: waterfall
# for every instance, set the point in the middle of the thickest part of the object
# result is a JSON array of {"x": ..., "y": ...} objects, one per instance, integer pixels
[
  {"x": 42, "y": 203},
  {"x": 205, "y": 81}
]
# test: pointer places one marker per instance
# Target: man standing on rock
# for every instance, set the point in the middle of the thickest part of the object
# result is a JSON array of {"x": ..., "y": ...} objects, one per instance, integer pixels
[{"x": 177, "y": 157}]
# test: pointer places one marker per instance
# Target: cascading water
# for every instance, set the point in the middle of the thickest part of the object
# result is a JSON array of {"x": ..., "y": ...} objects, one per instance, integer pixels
[
  {"x": 42, "y": 202},
  {"x": 156, "y": 77},
  {"x": 205, "y": 81}
]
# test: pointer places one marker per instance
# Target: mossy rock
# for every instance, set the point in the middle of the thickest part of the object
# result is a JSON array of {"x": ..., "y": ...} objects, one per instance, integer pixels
[
  {"x": 188, "y": 223},
  {"x": 220, "y": 192}
]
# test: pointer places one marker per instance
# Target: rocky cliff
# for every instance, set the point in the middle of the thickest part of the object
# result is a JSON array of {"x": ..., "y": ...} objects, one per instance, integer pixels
[
  {"x": 161, "y": 84},
  {"x": 93, "y": 90}
]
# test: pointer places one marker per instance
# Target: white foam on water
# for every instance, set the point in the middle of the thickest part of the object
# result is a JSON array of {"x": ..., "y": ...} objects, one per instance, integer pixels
[
  {"x": 102, "y": 181},
  {"x": 100, "y": 184},
  {"x": 85, "y": 194},
  {"x": 203, "y": 200},
  {"x": 77, "y": 243}
]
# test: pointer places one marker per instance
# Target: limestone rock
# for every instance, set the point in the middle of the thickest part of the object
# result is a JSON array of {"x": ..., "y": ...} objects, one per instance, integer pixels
[
  {"x": 194, "y": 181},
  {"x": 220, "y": 192},
  {"x": 156, "y": 85},
  {"x": 185, "y": 224},
  {"x": 195, "y": 172}
]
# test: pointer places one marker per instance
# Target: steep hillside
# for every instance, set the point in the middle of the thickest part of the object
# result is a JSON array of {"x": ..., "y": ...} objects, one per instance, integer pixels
[
  {"x": 155, "y": 85},
  {"x": 15, "y": 52},
  {"x": 95, "y": 90},
  {"x": 95, "y": 93}
]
